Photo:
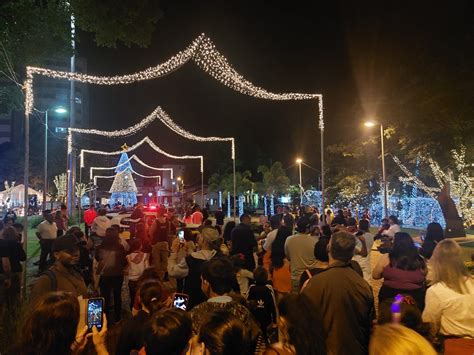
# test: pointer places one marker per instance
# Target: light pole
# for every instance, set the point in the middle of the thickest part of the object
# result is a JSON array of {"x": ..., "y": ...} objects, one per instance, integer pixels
[
  {"x": 384, "y": 177},
  {"x": 59, "y": 110},
  {"x": 180, "y": 188},
  {"x": 172, "y": 192},
  {"x": 299, "y": 161}
]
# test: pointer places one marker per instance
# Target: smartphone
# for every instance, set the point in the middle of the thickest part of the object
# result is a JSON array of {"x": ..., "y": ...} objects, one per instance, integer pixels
[
  {"x": 181, "y": 236},
  {"x": 422, "y": 235},
  {"x": 95, "y": 311},
  {"x": 180, "y": 300}
]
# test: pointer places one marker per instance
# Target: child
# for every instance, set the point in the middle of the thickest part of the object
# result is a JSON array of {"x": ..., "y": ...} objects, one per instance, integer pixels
[
  {"x": 243, "y": 275},
  {"x": 261, "y": 298},
  {"x": 137, "y": 262}
]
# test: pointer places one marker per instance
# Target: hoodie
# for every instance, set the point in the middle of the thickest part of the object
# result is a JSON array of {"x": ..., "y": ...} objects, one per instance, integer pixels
[
  {"x": 100, "y": 225},
  {"x": 189, "y": 268}
]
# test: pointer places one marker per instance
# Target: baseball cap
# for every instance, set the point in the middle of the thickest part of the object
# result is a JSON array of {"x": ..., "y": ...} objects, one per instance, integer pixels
[
  {"x": 210, "y": 234},
  {"x": 66, "y": 243}
]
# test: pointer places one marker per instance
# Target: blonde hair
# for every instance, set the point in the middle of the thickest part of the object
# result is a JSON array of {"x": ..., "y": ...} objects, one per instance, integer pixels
[
  {"x": 447, "y": 266},
  {"x": 396, "y": 339}
]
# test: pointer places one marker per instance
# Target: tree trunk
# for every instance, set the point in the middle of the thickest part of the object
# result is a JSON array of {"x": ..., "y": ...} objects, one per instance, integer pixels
[{"x": 454, "y": 223}]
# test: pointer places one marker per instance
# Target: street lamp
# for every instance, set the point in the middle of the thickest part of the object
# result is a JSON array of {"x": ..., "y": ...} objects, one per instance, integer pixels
[
  {"x": 59, "y": 110},
  {"x": 299, "y": 161},
  {"x": 370, "y": 124}
]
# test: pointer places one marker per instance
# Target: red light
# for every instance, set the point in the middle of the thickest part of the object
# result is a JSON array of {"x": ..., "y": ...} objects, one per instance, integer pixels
[{"x": 152, "y": 207}]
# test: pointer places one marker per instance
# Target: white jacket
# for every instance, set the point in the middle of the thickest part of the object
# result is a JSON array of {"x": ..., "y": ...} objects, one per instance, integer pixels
[{"x": 100, "y": 225}]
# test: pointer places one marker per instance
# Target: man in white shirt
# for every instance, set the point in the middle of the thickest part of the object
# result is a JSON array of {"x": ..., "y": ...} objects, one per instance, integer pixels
[
  {"x": 361, "y": 253},
  {"x": 394, "y": 227},
  {"x": 299, "y": 250},
  {"x": 46, "y": 233}
]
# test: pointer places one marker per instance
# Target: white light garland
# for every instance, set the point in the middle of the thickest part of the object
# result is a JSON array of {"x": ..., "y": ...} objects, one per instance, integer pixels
[
  {"x": 117, "y": 133},
  {"x": 168, "y": 122},
  {"x": 414, "y": 180},
  {"x": 133, "y": 157},
  {"x": 132, "y": 171},
  {"x": 204, "y": 54},
  {"x": 461, "y": 188},
  {"x": 135, "y": 146}
]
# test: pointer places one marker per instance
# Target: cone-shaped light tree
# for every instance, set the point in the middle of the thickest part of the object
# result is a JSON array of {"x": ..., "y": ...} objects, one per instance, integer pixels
[{"x": 123, "y": 188}]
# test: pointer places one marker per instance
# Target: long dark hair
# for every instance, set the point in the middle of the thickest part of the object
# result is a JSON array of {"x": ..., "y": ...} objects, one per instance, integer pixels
[
  {"x": 229, "y": 226},
  {"x": 168, "y": 332},
  {"x": 278, "y": 246},
  {"x": 434, "y": 232},
  {"x": 303, "y": 323},
  {"x": 225, "y": 334},
  {"x": 51, "y": 326},
  {"x": 151, "y": 293},
  {"x": 404, "y": 254},
  {"x": 111, "y": 239}
]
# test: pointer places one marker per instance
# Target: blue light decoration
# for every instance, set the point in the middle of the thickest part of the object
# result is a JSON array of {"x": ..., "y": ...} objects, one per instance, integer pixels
[
  {"x": 414, "y": 194},
  {"x": 123, "y": 188},
  {"x": 312, "y": 198},
  {"x": 272, "y": 205},
  {"x": 241, "y": 205},
  {"x": 228, "y": 204},
  {"x": 220, "y": 199},
  {"x": 412, "y": 211},
  {"x": 265, "y": 209}
]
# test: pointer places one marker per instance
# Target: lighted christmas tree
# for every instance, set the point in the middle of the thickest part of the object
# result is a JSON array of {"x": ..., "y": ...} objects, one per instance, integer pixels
[{"x": 123, "y": 188}]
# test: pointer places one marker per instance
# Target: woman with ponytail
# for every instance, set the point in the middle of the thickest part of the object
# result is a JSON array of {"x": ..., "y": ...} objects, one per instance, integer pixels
[{"x": 131, "y": 336}]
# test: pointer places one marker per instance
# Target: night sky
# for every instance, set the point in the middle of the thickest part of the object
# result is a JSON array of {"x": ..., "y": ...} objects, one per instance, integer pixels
[{"x": 340, "y": 49}]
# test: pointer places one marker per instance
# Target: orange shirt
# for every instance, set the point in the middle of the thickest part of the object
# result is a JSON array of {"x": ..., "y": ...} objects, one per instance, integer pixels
[{"x": 281, "y": 278}]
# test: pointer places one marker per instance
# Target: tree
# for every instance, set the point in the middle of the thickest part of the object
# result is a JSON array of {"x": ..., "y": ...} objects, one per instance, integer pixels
[
  {"x": 81, "y": 190},
  {"x": 129, "y": 22},
  {"x": 60, "y": 182},
  {"x": 32, "y": 32},
  {"x": 456, "y": 183},
  {"x": 274, "y": 180},
  {"x": 123, "y": 188}
]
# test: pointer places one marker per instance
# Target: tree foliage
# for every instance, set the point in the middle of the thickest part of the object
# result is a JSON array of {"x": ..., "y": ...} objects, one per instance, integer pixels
[
  {"x": 32, "y": 32},
  {"x": 274, "y": 180},
  {"x": 131, "y": 21}
]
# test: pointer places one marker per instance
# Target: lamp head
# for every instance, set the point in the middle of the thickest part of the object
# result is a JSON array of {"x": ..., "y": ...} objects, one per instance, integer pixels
[
  {"x": 369, "y": 124},
  {"x": 299, "y": 161},
  {"x": 60, "y": 109}
]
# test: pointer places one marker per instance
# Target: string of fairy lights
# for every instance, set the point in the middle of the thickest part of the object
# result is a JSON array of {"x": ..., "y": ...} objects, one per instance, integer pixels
[
  {"x": 204, "y": 54},
  {"x": 135, "y": 146},
  {"x": 168, "y": 122},
  {"x": 124, "y": 171},
  {"x": 413, "y": 180},
  {"x": 202, "y": 51},
  {"x": 133, "y": 157}
]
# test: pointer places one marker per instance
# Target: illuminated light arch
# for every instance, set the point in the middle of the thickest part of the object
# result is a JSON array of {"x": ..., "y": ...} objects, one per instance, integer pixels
[
  {"x": 133, "y": 157},
  {"x": 132, "y": 171},
  {"x": 203, "y": 52},
  {"x": 136, "y": 145}
]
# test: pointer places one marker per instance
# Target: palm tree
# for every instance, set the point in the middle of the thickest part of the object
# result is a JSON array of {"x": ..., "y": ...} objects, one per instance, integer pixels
[{"x": 274, "y": 181}]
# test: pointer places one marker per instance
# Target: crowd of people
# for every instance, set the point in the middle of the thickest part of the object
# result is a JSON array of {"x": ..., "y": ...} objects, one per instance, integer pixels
[{"x": 285, "y": 285}]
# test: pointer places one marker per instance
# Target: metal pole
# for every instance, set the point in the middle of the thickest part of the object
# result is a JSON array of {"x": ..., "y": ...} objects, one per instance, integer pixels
[
  {"x": 25, "y": 199},
  {"x": 45, "y": 166},
  {"x": 172, "y": 192},
  {"x": 235, "y": 187},
  {"x": 322, "y": 177},
  {"x": 72, "y": 117},
  {"x": 202, "y": 189},
  {"x": 384, "y": 177},
  {"x": 301, "y": 185}
]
